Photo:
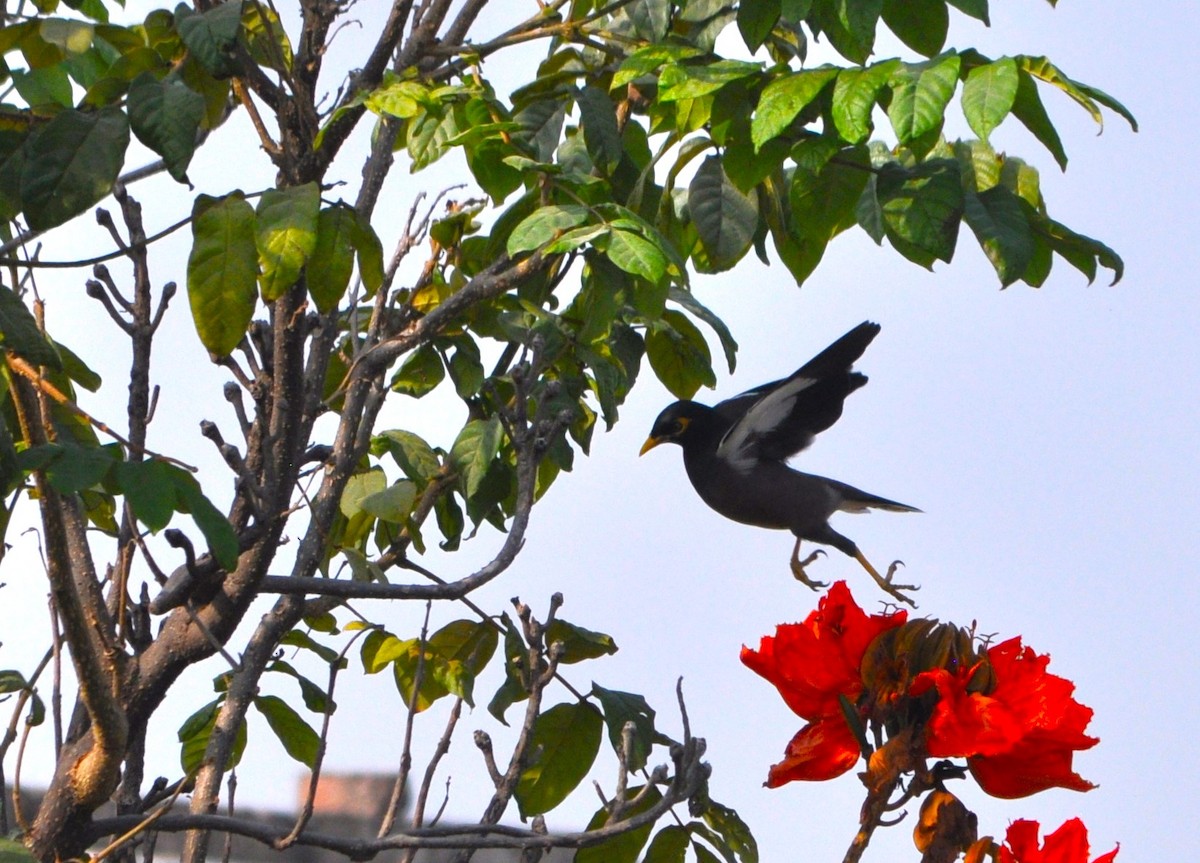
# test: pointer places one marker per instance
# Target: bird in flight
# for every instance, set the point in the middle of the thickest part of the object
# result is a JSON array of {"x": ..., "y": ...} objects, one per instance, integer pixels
[{"x": 736, "y": 455}]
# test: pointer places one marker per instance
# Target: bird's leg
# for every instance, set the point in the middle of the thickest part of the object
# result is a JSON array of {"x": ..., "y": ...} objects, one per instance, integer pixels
[
  {"x": 886, "y": 583},
  {"x": 798, "y": 567}
]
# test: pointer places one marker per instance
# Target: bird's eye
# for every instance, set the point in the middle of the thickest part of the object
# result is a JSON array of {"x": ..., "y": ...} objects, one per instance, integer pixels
[{"x": 679, "y": 425}]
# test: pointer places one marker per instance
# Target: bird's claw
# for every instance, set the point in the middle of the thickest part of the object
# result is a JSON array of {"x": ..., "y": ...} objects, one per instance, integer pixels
[
  {"x": 896, "y": 564},
  {"x": 890, "y": 587},
  {"x": 802, "y": 576}
]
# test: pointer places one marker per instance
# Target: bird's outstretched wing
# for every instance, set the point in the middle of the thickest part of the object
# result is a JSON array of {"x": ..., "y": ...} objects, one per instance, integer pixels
[{"x": 775, "y": 421}]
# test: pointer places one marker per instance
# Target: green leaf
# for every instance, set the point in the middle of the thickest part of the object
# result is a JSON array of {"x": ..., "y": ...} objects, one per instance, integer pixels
[
  {"x": 266, "y": 38},
  {"x": 429, "y": 135},
  {"x": 756, "y": 20},
  {"x": 997, "y": 217},
  {"x": 369, "y": 250},
  {"x": 979, "y": 165},
  {"x": 624, "y": 847},
  {"x": 669, "y": 846},
  {"x": 77, "y": 467},
  {"x": 449, "y": 520},
  {"x": 11, "y": 681},
  {"x": 76, "y": 369},
  {"x": 421, "y": 371},
  {"x": 620, "y": 708},
  {"x": 1108, "y": 102},
  {"x": 315, "y": 698},
  {"x": 398, "y": 98},
  {"x": 466, "y": 646},
  {"x": 380, "y": 649},
  {"x": 149, "y": 490},
  {"x": 473, "y": 451},
  {"x": 434, "y": 675},
  {"x": 513, "y": 689},
  {"x": 1022, "y": 179},
  {"x": 988, "y": 95},
  {"x": 578, "y": 643},
  {"x": 850, "y": 26},
  {"x": 635, "y": 254},
  {"x": 564, "y": 743},
  {"x": 222, "y": 271},
  {"x": 854, "y": 96},
  {"x": 392, "y": 504},
  {"x": 358, "y": 487},
  {"x": 301, "y": 639},
  {"x": 362, "y": 569},
  {"x": 195, "y": 732},
  {"x": 1043, "y": 69},
  {"x": 466, "y": 368},
  {"x": 71, "y": 163},
  {"x": 44, "y": 88},
  {"x": 541, "y": 125},
  {"x": 823, "y": 194},
  {"x": 733, "y": 830},
  {"x": 920, "y": 94},
  {"x": 166, "y": 116},
  {"x": 677, "y": 83},
  {"x": 218, "y": 533},
  {"x": 783, "y": 99},
  {"x": 211, "y": 36},
  {"x": 975, "y": 8},
  {"x": 645, "y": 60},
  {"x": 1081, "y": 252},
  {"x": 296, "y": 735},
  {"x": 1027, "y": 107},
  {"x": 696, "y": 309},
  {"x": 922, "y": 212},
  {"x": 488, "y": 162},
  {"x": 285, "y": 235},
  {"x": 19, "y": 332},
  {"x": 600, "y": 132},
  {"x": 650, "y": 19},
  {"x": 726, "y": 219},
  {"x": 679, "y": 355},
  {"x": 215, "y": 91},
  {"x": 543, "y": 225},
  {"x": 414, "y": 456},
  {"x": 331, "y": 264},
  {"x": 919, "y": 24}
]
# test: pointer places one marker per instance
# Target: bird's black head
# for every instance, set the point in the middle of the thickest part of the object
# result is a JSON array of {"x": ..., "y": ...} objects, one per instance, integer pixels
[{"x": 678, "y": 423}]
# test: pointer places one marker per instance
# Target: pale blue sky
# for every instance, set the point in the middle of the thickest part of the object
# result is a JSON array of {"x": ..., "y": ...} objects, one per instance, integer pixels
[{"x": 1049, "y": 435}]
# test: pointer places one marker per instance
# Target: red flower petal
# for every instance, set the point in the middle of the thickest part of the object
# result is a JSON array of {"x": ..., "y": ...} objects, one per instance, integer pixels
[
  {"x": 820, "y": 750},
  {"x": 965, "y": 724},
  {"x": 814, "y": 662},
  {"x": 1022, "y": 737},
  {"x": 1067, "y": 844},
  {"x": 1032, "y": 765}
]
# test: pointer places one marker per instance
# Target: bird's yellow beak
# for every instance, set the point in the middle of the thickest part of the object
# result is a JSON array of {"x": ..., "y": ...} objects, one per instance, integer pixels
[{"x": 651, "y": 443}]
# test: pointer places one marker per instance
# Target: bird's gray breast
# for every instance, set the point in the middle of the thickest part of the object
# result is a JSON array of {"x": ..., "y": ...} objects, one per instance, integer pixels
[{"x": 764, "y": 494}]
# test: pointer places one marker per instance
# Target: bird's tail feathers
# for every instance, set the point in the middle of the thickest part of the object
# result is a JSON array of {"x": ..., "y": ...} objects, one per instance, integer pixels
[{"x": 857, "y": 500}]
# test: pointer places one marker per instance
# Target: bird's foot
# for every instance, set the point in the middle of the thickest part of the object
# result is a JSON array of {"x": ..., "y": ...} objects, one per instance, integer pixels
[
  {"x": 886, "y": 581},
  {"x": 889, "y": 585},
  {"x": 802, "y": 576}
]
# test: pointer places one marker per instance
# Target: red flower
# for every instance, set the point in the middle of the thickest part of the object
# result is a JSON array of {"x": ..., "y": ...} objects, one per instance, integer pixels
[
  {"x": 813, "y": 664},
  {"x": 1019, "y": 739},
  {"x": 1067, "y": 844},
  {"x": 824, "y": 749}
]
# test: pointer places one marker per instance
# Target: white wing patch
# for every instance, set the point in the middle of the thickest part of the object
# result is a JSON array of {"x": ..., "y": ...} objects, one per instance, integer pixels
[{"x": 764, "y": 416}]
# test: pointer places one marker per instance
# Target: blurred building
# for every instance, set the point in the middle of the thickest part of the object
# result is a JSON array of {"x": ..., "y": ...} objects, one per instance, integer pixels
[{"x": 345, "y": 804}]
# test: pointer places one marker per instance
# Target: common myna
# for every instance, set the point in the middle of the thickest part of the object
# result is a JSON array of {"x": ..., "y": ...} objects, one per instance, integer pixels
[{"x": 736, "y": 454}]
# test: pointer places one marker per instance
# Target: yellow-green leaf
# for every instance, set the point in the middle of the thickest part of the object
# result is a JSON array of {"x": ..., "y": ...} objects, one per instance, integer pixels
[
  {"x": 286, "y": 236},
  {"x": 222, "y": 270}
]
